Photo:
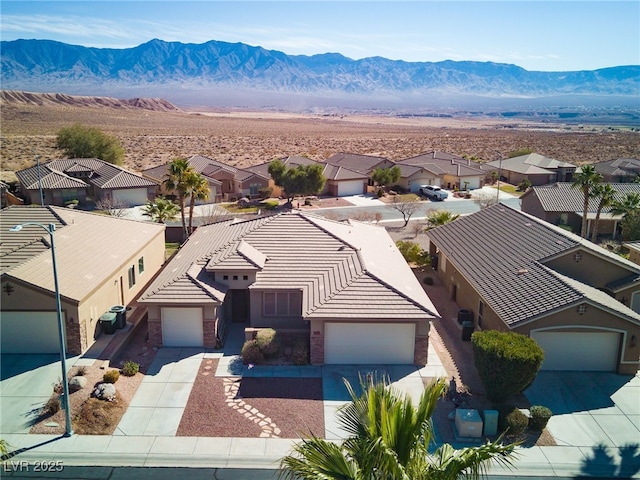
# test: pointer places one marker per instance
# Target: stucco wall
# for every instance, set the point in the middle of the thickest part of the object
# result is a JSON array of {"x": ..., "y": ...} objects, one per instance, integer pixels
[
  {"x": 591, "y": 269},
  {"x": 259, "y": 320}
]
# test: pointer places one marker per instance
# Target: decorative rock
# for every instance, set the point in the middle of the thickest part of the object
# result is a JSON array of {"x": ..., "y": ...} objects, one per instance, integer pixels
[
  {"x": 52, "y": 424},
  {"x": 77, "y": 383},
  {"x": 105, "y": 391}
]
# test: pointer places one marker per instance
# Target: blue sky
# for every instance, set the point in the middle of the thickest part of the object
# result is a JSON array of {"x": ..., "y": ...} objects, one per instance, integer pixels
[{"x": 543, "y": 35}]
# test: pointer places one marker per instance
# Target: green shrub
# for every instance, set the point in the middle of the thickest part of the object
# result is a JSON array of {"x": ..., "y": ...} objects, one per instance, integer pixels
[
  {"x": 265, "y": 192},
  {"x": 130, "y": 368},
  {"x": 300, "y": 355},
  {"x": 507, "y": 362},
  {"x": 251, "y": 353},
  {"x": 516, "y": 422},
  {"x": 271, "y": 204},
  {"x": 307, "y": 202},
  {"x": 539, "y": 417},
  {"x": 53, "y": 405},
  {"x": 268, "y": 342},
  {"x": 428, "y": 280},
  {"x": 111, "y": 376},
  {"x": 380, "y": 193}
]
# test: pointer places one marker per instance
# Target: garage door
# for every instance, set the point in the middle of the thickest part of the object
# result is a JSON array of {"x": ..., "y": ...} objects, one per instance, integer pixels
[
  {"x": 588, "y": 351},
  {"x": 29, "y": 332},
  {"x": 352, "y": 187},
  {"x": 369, "y": 343},
  {"x": 182, "y": 327},
  {"x": 131, "y": 196}
]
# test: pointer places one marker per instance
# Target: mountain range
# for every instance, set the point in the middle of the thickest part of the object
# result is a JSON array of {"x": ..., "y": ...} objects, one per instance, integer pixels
[{"x": 199, "y": 72}]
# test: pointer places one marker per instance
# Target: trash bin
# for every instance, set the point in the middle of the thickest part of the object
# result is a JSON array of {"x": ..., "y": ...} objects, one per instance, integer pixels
[
  {"x": 467, "y": 330},
  {"x": 490, "y": 423},
  {"x": 108, "y": 322},
  {"x": 121, "y": 315},
  {"x": 465, "y": 315}
]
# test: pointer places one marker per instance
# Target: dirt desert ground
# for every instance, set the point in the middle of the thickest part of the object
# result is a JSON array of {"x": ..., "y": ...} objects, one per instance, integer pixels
[{"x": 151, "y": 137}]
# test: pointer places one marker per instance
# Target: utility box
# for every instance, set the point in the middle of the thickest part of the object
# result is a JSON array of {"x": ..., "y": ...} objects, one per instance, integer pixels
[
  {"x": 121, "y": 315},
  {"x": 468, "y": 423},
  {"x": 108, "y": 323},
  {"x": 490, "y": 423}
]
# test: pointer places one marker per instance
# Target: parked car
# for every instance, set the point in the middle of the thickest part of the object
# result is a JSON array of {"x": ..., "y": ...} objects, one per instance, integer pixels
[{"x": 433, "y": 192}]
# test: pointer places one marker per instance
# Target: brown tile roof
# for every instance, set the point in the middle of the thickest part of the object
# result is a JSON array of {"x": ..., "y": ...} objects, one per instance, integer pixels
[
  {"x": 441, "y": 163},
  {"x": 562, "y": 197},
  {"x": 363, "y": 164},
  {"x": 328, "y": 261},
  {"x": 502, "y": 253}
]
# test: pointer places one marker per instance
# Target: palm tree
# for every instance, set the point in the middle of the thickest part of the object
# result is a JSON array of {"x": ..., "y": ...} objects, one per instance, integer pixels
[
  {"x": 436, "y": 218},
  {"x": 197, "y": 187},
  {"x": 607, "y": 194},
  {"x": 628, "y": 207},
  {"x": 161, "y": 210},
  {"x": 585, "y": 181},
  {"x": 389, "y": 438},
  {"x": 179, "y": 170}
]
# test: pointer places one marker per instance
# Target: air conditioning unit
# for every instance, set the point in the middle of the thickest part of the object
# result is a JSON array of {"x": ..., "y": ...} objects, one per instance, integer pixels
[{"x": 468, "y": 423}]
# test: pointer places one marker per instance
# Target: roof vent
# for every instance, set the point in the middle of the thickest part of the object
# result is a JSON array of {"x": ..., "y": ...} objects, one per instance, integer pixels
[{"x": 522, "y": 271}]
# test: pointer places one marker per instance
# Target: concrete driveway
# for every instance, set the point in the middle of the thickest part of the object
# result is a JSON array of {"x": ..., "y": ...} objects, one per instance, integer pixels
[
  {"x": 26, "y": 383},
  {"x": 590, "y": 409}
]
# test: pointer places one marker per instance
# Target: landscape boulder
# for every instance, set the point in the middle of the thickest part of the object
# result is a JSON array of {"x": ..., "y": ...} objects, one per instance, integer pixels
[
  {"x": 77, "y": 383},
  {"x": 105, "y": 391}
]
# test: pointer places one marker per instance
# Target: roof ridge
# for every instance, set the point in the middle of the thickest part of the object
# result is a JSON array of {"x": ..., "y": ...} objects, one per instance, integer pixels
[{"x": 403, "y": 295}]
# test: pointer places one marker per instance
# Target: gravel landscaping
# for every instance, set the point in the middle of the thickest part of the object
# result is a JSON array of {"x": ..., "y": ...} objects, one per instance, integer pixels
[{"x": 252, "y": 407}]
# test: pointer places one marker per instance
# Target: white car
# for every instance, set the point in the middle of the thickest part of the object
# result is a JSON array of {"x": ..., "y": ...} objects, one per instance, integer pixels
[{"x": 433, "y": 192}]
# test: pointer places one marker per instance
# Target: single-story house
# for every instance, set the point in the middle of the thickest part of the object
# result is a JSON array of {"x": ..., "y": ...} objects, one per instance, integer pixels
[
  {"x": 536, "y": 168},
  {"x": 515, "y": 272},
  {"x": 344, "y": 284},
  {"x": 101, "y": 260},
  {"x": 621, "y": 170},
  {"x": 65, "y": 180},
  {"x": 341, "y": 181},
  {"x": 363, "y": 164},
  {"x": 442, "y": 169},
  {"x": 562, "y": 204}
]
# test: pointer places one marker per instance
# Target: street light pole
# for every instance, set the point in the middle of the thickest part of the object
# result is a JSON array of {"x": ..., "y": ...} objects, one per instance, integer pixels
[{"x": 61, "y": 330}]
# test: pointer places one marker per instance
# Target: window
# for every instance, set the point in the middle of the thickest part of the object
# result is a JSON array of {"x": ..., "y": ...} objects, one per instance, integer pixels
[
  {"x": 225, "y": 277},
  {"x": 235, "y": 277},
  {"x": 254, "y": 188},
  {"x": 140, "y": 265},
  {"x": 245, "y": 277},
  {"x": 282, "y": 303},
  {"x": 132, "y": 276}
]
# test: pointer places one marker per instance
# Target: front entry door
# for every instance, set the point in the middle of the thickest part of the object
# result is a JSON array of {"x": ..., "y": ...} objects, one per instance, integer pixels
[{"x": 239, "y": 306}]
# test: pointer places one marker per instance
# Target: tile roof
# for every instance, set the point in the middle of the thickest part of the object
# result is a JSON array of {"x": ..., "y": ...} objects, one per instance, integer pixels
[
  {"x": 342, "y": 268},
  {"x": 55, "y": 174},
  {"x": 530, "y": 164},
  {"x": 515, "y": 282},
  {"x": 89, "y": 247},
  {"x": 562, "y": 197},
  {"x": 441, "y": 163},
  {"x": 330, "y": 171},
  {"x": 363, "y": 164},
  {"x": 207, "y": 167},
  {"x": 619, "y": 167}
]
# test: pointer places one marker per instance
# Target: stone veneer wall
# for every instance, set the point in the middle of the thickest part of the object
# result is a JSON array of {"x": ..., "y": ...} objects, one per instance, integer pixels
[
  {"x": 421, "y": 351},
  {"x": 317, "y": 348},
  {"x": 209, "y": 332},
  {"x": 155, "y": 332},
  {"x": 74, "y": 338}
]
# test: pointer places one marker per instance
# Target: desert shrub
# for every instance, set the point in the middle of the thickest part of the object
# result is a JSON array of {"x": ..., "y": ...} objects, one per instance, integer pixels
[
  {"x": 428, "y": 280},
  {"x": 265, "y": 192},
  {"x": 380, "y": 193},
  {"x": 251, "y": 353},
  {"x": 268, "y": 342},
  {"x": 539, "y": 417},
  {"x": 53, "y": 405},
  {"x": 82, "y": 371},
  {"x": 130, "y": 368},
  {"x": 111, "y": 376},
  {"x": 307, "y": 201},
  {"x": 300, "y": 354},
  {"x": 507, "y": 362}
]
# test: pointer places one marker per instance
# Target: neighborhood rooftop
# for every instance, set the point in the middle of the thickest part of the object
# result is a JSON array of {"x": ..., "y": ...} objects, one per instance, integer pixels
[
  {"x": 503, "y": 253},
  {"x": 333, "y": 263},
  {"x": 562, "y": 197}
]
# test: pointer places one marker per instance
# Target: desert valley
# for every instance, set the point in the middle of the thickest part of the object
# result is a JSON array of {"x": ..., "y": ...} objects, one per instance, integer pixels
[{"x": 153, "y": 131}]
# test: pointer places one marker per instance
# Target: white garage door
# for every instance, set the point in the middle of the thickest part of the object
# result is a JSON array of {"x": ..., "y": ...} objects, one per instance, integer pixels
[
  {"x": 352, "y": 187},
  {"x": 182, "y": 327},
  {"x": 131, "y": 196},
  {"x": 370, "y": 343},
  {"x": 587, "y": 351},
  {"x": 29, "y": 332}
]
